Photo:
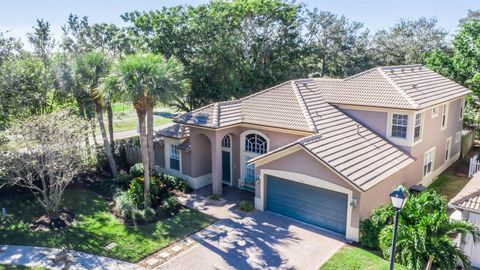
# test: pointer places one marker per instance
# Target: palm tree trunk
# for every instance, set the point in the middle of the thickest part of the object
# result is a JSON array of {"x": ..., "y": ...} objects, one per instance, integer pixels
[
  {"x": 145, "y": 157},
  {"x": 110, "y": 124},
  {"x": 106, "y": 144},
  {"x": 81, "y": 108},
  {"x": 151, "y": 151},
  {"x": 430, "y": 262},
  {"x": 94, "y": 133}
]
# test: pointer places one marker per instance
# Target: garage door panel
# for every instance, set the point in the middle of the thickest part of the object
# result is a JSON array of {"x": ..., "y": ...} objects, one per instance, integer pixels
[{"x": 310, "y": 204}]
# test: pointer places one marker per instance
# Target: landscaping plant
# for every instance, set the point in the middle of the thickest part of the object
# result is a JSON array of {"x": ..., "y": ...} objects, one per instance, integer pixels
[
  {"x": 43, "y": 154},
  {"x": 425, "y": 233}
]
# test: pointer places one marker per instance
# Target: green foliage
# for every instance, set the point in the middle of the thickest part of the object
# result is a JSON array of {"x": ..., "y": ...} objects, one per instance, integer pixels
[
  {"x": 125, "y": 204},
  {"x": 136, "y": 190},
  {"x": 425, "y": 230},
  {"x": 214, "y": 197},
  {"x": 123, "y": 179},
  {"x": 136, "y": 170},
  {"x": 246, "y": 206},
  {"x": 370, "y": 228},
  {"x": 169, "y": 206},
  {"x": 460, "y": 63},
  {"x": 175, "y": 183}
]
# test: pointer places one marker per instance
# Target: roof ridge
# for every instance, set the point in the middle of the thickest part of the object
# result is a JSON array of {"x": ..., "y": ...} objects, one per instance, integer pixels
[
  {"x": 216, "y": 115},
  {"x": 264, "y": 91},
  {"x": 402, "y": 93},
  {"x": 401, "y": 66},
  {"x": 303, "y": 106},
  {"x": 358, "y": 74}
]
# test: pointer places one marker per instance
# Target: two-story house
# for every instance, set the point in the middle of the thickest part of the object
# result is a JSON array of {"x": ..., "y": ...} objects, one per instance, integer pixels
[{"x": 323, "y": 151}]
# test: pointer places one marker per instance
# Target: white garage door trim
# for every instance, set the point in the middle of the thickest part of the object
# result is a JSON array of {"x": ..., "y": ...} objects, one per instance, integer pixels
[{"x": 351, "y": 232}]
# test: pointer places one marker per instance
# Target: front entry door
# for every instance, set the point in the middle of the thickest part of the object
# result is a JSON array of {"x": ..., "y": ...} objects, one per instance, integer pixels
[{"x": 226, "y": 167}]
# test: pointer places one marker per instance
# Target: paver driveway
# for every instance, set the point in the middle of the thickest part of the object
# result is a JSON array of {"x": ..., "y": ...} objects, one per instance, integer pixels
[{"x": 260, "y": 241}]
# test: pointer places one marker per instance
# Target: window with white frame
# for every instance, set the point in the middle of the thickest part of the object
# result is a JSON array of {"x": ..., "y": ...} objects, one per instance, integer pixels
[
  {"x": 448, "y": 146},
  {"x": 428, "y": 162},
  {"x": 458, "y": 137},
  {"x": 462, "y": 108},
  {"x": 417, "y": 131},
  {"x": 174, "y": 157},
  {"x": 249, "y": 170},
  {"x": 399, "y": 125},
  {"x": 255, "y": 143},
  {"x": 444, "y": 115},
  {"x": 226, "y": 141},
  {"x": 435, "y": 111}
]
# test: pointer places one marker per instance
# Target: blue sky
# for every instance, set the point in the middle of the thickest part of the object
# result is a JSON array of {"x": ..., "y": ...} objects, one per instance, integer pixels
[{"x": 18, "y": 16}]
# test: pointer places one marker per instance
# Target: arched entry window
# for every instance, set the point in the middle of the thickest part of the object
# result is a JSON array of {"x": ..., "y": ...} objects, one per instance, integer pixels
[
  {"x": 226, "y": 141},
  {"x": 254, "y": 144}
]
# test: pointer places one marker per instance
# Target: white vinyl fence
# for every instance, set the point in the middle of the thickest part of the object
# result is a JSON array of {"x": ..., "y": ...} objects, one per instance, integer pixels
[{"x": 474, "y": 166}]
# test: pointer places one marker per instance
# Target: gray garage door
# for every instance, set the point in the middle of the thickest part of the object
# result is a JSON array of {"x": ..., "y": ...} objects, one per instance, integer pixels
[{"x": 317, "y": 206}]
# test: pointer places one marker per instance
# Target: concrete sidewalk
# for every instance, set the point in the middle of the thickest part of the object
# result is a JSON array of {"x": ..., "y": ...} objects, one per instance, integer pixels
[{"x": 40, "y": 257}]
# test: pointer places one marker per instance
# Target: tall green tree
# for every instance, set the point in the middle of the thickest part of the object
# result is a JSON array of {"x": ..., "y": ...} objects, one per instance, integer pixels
[
  {"x": 91, "y": 68},
  {"x": 461, "y": 61},
  {"x": 43, "y": 44},
  {"x": 229, "y": 48},
  {"x": 334, "y": 46},
  {"x": 145, "y": 79},
  {"x": 408, "y": 42},
  {"x": 425, "y": 234}
]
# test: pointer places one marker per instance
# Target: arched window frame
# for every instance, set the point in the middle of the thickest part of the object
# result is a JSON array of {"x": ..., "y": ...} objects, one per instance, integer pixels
[
  {"x": 226, "y": 141},
  {"x": 248, "y": 172}
]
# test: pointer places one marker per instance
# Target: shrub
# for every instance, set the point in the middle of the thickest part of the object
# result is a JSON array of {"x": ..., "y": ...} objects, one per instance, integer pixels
[
  {"x": 370, "y": 228},
  {"x": 176, "y": 183},
  {"x": 170, "y": 204},
  {"x": 123, "y": 179},
  {"x": 246, "y": 206},
  {"x": 136, "y": 170},
  {"x": 125, "y": 204},
  {"x": 214, "y": 197},
  {"x": 149, "y": 214},
  {"x": 136, "y": 190},
  {"x": 137, "y": 215}
]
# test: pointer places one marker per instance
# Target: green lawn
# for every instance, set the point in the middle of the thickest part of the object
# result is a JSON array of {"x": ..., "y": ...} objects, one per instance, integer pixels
[
  {"x": 449, "y": 183},
  {"x": 131, "y": 123},
  {"x": 354, "y": 258},
  {"x": 96, "y": 227}
]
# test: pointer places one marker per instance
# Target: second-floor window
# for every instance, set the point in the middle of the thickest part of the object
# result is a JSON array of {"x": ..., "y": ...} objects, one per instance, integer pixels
[
  {"x": 417, "y": 132},
  {"x": 444, "y": 115},
  {"x": 174, "y": 157},
  {"x": 428, "y": 162},
  {"x": 399, "y": 125}
]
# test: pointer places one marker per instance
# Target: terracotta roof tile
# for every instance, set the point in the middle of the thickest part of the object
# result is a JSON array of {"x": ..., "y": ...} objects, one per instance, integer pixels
[{"x": 403, "y": 87}]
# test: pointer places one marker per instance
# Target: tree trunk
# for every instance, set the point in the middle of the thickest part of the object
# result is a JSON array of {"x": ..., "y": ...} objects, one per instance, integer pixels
[
  {"x": 145, "y": 157},
  {"x": 151, "y": 151},
  {"x": 94, "y": 133},
  {"x": 430, "y": 262},
  {"x": 110, "y": 125},
  {"x": 82, "y": 110},
  {"x": 106, "y": 144}
]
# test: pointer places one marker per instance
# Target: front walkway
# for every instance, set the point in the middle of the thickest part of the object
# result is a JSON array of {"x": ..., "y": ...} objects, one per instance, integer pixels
[
  {"x": 260, "y": 240},
  {"x": 40, "y": 257}
]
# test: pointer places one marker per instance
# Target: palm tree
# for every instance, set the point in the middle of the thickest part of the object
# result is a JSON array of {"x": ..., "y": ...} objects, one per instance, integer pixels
[
  {"x": 144, "y": 80},
  {"x": 425, "y": 234},
  {"x": 91, "y": 67}
]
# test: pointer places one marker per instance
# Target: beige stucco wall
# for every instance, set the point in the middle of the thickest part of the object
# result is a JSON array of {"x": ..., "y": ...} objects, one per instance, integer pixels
[
  {"x": 433, "y": 136},
  {"x": 375, "y": 120},
  {"x": 186, "y": 165},
  {"x": 379, "y": 194},
  {"x": 159, "y": 155},
  {"x": 200, "y": 153}
]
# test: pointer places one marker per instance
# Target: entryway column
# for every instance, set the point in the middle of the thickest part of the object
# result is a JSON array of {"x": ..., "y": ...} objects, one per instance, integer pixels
[{"x": 217, "y": 164}]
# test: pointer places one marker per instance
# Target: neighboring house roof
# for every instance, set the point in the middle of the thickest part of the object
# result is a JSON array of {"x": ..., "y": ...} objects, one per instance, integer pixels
[
  {"x": 176, "y": 131},
  {"x": 346, "y": 146},
  {"x": 469, "y": 197},
  {"x": 403, "y": 87}
]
